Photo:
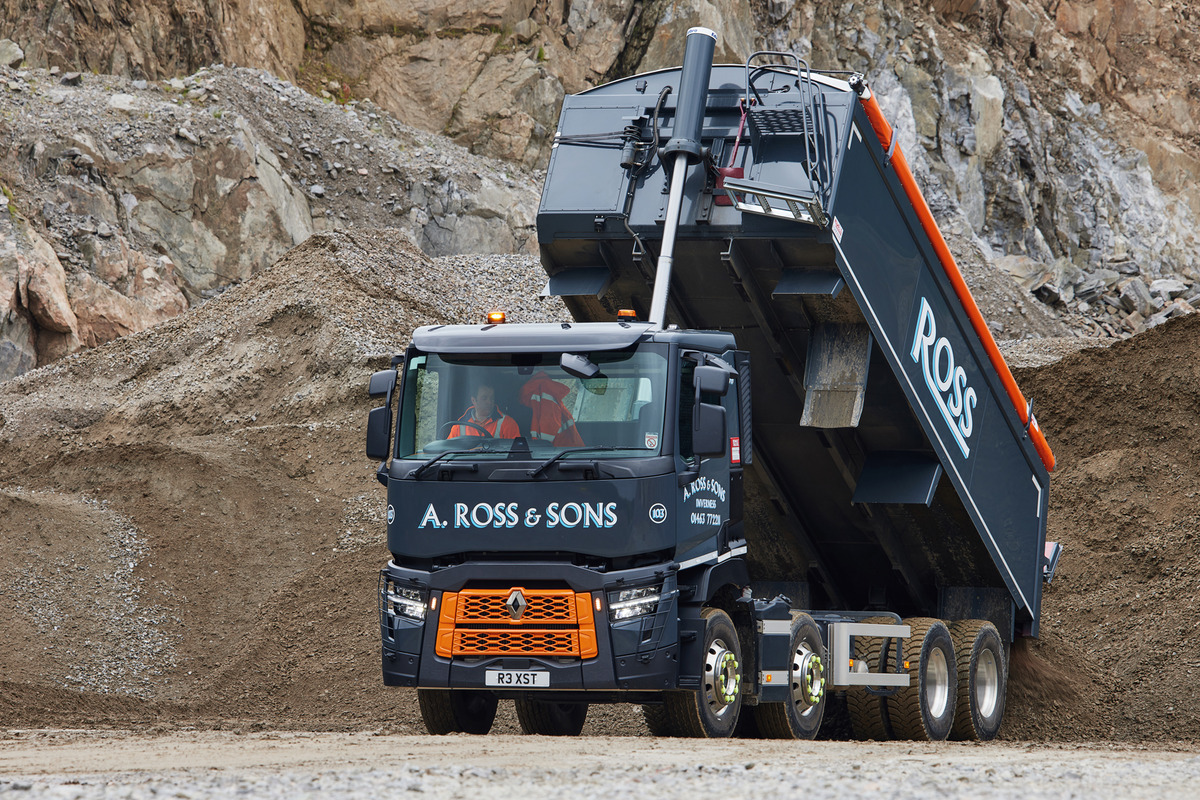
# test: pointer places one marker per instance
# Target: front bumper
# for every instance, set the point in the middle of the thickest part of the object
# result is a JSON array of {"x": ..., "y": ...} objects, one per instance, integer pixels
[{"x": 637, "y": 654}]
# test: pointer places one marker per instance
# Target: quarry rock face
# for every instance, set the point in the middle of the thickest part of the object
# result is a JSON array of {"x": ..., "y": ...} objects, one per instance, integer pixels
[
  {"x": 1055, "y": 139},
  {"x": 132, "y": 201}
]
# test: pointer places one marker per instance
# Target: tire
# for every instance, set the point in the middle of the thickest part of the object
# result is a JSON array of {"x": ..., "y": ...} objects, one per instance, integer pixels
[
  {"x": 658, "y": 720},
  {"x": 982, "y": 680},
  {"x": 747, "y": 726},
  {"x": 465, "y": 711},
  {"x": 924, "y": 711},
  {"x": 712, "y": 711},
  {"x": 548, "y": 718},
  {"x": 800, "y": 716},
  {"x": 836, "y": 725},
  {"x": 869, "y": 712}
]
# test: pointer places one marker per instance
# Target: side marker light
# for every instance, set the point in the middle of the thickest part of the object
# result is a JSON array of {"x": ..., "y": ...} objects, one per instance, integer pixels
[{"x": 496, "y": 318}]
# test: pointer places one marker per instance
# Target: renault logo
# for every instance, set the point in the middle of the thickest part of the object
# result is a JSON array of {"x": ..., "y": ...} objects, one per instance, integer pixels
[{"x": 516, "y": 604}]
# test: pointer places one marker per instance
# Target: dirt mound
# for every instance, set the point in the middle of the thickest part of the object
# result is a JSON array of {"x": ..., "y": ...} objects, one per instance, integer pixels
[
  {"x": 1117, "y": 655},
  {"x": 191, "y": 535},
  {"x": 187, "y": 520}
]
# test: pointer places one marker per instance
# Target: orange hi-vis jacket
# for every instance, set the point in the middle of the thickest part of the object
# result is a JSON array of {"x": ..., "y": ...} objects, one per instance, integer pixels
[
  {"x": 505, "y": 424},
  {"x": 551, "y": 422}
]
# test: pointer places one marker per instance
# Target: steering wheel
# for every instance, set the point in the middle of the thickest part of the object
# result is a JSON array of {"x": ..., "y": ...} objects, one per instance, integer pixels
[{"x": 444, "y": 431}]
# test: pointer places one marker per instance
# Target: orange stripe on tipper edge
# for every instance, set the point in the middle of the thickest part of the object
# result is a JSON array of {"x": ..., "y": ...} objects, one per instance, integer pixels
[{"x": 884, "y": 131}]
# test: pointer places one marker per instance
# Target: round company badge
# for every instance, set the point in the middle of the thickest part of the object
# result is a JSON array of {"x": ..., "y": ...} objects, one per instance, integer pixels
[
  {"x": 391, "y": 515},
  {"x": 658, "y": 513}
]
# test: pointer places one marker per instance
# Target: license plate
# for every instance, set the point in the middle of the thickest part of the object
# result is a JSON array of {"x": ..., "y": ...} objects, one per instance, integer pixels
[{"x": 528, "y": 678}]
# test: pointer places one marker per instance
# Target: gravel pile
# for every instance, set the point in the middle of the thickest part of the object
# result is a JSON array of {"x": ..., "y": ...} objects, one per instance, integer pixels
[{"x": 227, "y": 445}]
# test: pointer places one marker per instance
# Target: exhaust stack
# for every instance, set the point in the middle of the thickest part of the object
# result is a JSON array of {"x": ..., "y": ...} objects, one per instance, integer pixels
[{"x": 684, "y": 147}]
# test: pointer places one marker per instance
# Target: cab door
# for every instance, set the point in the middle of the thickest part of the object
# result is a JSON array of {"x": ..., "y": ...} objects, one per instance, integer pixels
[{"x": 703, "y": 510}]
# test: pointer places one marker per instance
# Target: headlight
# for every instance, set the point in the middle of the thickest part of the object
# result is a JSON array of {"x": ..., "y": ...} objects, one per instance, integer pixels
[
  {"x": 630, "y": 603},
  {"x": 406, "y": 602}
]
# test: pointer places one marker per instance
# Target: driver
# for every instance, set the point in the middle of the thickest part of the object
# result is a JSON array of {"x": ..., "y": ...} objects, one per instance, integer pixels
[{"x": 484, "y": 413}]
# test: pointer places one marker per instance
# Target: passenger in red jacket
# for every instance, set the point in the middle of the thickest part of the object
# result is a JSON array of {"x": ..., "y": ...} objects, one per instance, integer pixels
[
  {"x": 484, "y": 413},
  {"x": 551, "y": 421}
]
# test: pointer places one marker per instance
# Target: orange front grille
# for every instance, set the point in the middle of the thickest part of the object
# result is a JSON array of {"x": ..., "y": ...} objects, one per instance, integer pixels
[
  {"x": 488, "y": 606},
  {"x": 515, "y": 643},
  {"x": 556, "y": 623}
]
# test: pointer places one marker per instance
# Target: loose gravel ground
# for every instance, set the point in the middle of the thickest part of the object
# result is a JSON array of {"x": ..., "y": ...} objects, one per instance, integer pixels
[{"x": 97, "y": 764}]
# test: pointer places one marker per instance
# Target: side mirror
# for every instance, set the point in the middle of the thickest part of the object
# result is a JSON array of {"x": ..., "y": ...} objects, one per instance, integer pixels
[
  {"x": 710, "y": 434},
  {"x": 711, "y": 380},
  {"x": 379, "y": 432},
  {"x": 379, "y": 420},
  {"x": 382, "y": 383}
]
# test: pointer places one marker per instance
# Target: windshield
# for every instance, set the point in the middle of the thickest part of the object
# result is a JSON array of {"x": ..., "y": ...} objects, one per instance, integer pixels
[{"x": 501, "y": 405}]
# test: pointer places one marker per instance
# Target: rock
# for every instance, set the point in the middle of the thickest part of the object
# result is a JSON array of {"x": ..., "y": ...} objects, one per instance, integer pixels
[
  {"x": 1168, "y": 288},
  {"x": 923, "y": 94},
  {"x": 1023, "y": 269},
  {"x": 141, "y": 86},
  {"x": 732, "y": 19},
  {"x": 72, "y": 79},
  {"x": 1157, "y": 319},
  {"x": 316, "y": 190},
  {"x": 188, "y": 136},
  {"x": 105, "y": 314},
  {"x": 11, "y": 54},
  {"x": 42, "y": 283},
  {"x": 490, "y": 117},
  {"x": 525, "y": 30},
  {"x": 122, "y": 102},
  {"x": 1136, "y": 297}
]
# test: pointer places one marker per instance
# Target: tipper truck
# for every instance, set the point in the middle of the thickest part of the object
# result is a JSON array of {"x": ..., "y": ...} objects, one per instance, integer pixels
[{"x": 775, "y": 471}]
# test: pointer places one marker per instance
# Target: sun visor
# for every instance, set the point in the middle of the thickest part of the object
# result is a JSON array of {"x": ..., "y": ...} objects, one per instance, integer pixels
[{"x": 524, "y": 338}]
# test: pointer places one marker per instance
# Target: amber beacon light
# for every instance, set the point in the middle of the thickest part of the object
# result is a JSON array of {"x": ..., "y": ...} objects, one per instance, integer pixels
[{"x": 496, "y": 318}]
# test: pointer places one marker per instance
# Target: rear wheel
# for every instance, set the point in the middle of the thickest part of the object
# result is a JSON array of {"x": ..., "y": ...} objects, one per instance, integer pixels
[
  {"x": 548, "y": 718},
  {"x": 466, "y": 711},
  {"x": 924, "y": 710},
  {"x": 982, "y": 679},
  {"x": 712, "y": 711},
  {"x": 869, "y": 712},
  {"x": 800, "y": 716}
]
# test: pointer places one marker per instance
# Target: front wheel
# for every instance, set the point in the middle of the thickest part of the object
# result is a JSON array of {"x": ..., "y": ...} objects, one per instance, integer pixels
[
  {"x": 548, "y": 718},
  {"x": 800, "y": 716},
  {"x": 924, "y": 710},
  {"x": 712, "y": 711},
  {"x": 464, "y": 711}
]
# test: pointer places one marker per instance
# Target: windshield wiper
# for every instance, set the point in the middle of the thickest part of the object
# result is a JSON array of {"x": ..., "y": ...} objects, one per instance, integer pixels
[
  {"x": 416, "y": 473},
  {"x": 533, "y": 473}
]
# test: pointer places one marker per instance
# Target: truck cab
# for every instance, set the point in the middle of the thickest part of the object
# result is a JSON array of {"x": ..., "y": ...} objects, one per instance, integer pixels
[{"x": 567, "y": 557}]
